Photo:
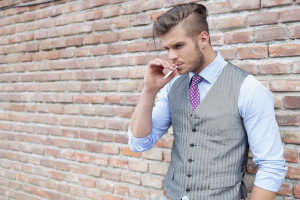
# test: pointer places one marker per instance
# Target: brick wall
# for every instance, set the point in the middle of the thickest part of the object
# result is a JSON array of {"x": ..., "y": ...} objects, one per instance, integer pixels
[{"x": 70, "y": 76}]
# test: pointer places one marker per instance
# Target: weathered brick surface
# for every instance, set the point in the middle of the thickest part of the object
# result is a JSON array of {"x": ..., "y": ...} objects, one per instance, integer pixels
[{"x": 71, "y": 73}]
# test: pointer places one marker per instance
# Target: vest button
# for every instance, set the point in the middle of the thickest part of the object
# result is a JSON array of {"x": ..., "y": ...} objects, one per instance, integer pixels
[
  {"x": 190, "y": 160},
  {"x": 189, "y": 175},
  {"x": 194, "y": 130},
  {"x": 187, "y": 190},
  {"x": 192, "y": 145}
]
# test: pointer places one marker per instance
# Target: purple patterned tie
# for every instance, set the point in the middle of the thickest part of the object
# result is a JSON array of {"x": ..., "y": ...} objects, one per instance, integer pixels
[{"x": 194, "y": 92}]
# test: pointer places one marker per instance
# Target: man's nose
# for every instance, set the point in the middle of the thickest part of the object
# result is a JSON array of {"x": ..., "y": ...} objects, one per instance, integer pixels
[{"x": 172, "y": 54}]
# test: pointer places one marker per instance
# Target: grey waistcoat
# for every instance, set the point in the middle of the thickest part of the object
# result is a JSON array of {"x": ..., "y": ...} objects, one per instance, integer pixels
[{"x": 210, "y": 148}]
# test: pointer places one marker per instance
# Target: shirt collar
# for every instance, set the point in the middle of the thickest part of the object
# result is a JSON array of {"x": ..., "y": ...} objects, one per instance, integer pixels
[{"x": 212, "y": 71}]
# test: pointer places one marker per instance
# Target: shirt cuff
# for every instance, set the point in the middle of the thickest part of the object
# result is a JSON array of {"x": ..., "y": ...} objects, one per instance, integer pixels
[
  {"x": 269, "y": 181},
  {"x": 138, "y": 144}
]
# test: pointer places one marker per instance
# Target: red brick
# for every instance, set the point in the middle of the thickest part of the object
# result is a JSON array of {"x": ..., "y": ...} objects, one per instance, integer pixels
[
  {"x": 55, "y": 175},
  {"x": 77, "y": 41},
  {"x": 111, "y": 12},
  {"x": 121, "y": 138},
  {"x": 285, "y": 85},
  {"x": 121, "y": 189},
  {"x": 152, "y": 154},
  {"x": 138, "y": 165},
  {"x": 108, "y": 86},
  {"x": 139, "y": 192},
  {"x": 238, "y": 37},
  {"x": 227, "y": 54},
  {"x": 294, "y": 32},
  {"x": 292, "y": 119},
  {"x": 131, "y": 7},
  {"x": 111, "y": 174},
  {"x": 230, "y": 22},
  {"x": 296, "y": 67},
  {"x": 262, "y": 18},
  {"x": 116, "y": 49},
  {"x": 123, "y": 112},
  {"x": 293, "y": 173},
  {"x": 152, "y": 181},
  {"x": 151, "y": 4},
  {"x": 141, "y": 19},
  {"x": 125, "y": 151},
  {"x": 93, "y": 147},
  {"x": 297, "y": 191},
  {"x": 271, "y": 3},
  {"x": 100, "y": 160},
  {"x": 138, "y": 46},
  {"x": 129, "y": 35},
  {"x": 128, "y": 86},
  {"x": 217, "y": 39},
  {"x": 284, "y": 50},
  {"x": 290, "y": 15},
  {"x": 291, "y": 102},
  {"x": 87, "y": 182},
  {"x": 117, "y": 162},
  {"x": 99, "y": 50},
  {"x": 291, "y": 155},
  {"x": 119, "y": 74},
  {"x": 121, "y": 22},
  {"x": 96, "y": 3},
  {"x": 216, "y": 7},
  {"x": 59, "y": 43},
  {"x": 109, "y": 37},
  {"x": 158, "y": 168},
  {"x": 111, "y": 197},
  {"x": 249, "y": 67},
  {"x": 285, "y": 190},
  {"x": 102, "y": 25},
  {"x": 255, "y": 52},
  {"x": 91, "y": 39},
  {"x": 81, "y": 157},
  {"x": 110, "y": 149},
  {"x": 40, "y": 34},
  {"x": 92, "y": 15},
  {"x": 133, "y": 178},
  {"x": 270, "y": 34},
  {"x": 274, "y": 68},
  {"x": 235, "y": 5},
  {"x": 107, "y": 137}
]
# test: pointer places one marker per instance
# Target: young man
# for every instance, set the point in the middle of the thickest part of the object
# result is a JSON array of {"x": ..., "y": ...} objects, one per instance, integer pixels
[{"x": 216, "y": 109}]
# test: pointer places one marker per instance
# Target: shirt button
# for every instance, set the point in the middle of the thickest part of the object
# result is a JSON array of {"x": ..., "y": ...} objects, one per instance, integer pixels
[
  {"x": 194, "y": 130},
  {"x": 192, "y": 145},
  {"x": 189, "y": 175},
  {"x": 190, "y": 160},
  {"x": 187, "y": 190}
]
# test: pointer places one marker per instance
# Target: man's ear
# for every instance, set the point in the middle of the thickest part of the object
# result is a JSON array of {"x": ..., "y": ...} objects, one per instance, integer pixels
[{"x": 203, "y": 39}]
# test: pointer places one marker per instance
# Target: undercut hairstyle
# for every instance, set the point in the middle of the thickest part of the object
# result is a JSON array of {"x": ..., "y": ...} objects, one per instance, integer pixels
[{"x": 192, "y": 16}]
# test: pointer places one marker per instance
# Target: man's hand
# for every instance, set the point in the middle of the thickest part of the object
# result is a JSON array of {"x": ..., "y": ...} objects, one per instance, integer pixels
[{"x": 154, "y": 77}]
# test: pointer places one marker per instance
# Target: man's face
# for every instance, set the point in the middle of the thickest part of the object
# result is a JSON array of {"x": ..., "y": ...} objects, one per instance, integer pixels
[{"x": 183, "y": 51}]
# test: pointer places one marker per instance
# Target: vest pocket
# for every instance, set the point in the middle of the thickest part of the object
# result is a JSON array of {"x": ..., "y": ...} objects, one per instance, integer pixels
[{"x": 224, "y": 181}]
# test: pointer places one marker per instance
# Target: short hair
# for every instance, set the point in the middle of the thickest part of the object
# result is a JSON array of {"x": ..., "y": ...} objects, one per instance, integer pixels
[{"x": 192, "y": 15}]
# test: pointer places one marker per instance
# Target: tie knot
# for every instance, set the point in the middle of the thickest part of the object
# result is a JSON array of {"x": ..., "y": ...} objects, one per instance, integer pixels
[{"x": 196, "y": 79}]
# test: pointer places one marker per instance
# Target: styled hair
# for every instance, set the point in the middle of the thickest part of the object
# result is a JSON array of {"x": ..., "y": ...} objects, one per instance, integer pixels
[{"x": 192, "y": 15}]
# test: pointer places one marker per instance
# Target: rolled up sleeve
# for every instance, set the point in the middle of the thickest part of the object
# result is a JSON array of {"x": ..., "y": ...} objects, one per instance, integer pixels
[{"x": 256, "y": 106}]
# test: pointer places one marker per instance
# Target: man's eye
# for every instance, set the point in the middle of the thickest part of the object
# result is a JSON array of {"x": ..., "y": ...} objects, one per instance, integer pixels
[{"x": 178, "y": 46}]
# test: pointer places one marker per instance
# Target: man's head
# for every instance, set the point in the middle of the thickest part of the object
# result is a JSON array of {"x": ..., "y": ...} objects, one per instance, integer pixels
[
  {"x": 183, "y": 31},
  {"x": 192, "y": 16}
]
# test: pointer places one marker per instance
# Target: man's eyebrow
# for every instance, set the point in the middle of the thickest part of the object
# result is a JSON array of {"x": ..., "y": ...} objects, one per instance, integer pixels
[{"x": 173, "y": 45}]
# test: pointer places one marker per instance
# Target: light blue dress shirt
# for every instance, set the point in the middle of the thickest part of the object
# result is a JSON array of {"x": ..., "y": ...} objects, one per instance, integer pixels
[{"x": 256, "y": 107}]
